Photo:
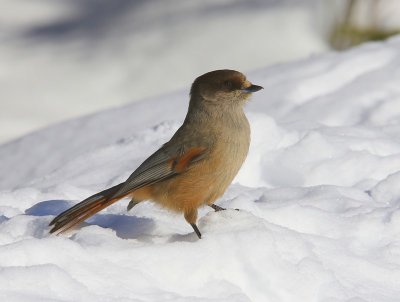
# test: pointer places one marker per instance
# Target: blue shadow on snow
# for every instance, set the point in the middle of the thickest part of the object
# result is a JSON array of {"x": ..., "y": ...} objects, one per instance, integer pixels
[{"x": 125, "y": 226}]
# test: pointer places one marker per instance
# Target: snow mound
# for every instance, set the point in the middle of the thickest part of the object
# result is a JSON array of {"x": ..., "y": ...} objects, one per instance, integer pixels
[{"x": 319, "y": 197}]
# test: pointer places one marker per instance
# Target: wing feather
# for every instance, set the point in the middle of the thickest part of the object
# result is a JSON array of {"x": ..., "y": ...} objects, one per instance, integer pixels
[{"x": 164, "y": 163}]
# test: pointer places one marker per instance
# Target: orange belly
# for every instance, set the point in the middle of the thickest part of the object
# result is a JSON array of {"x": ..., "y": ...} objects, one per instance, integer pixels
[{"x": 201, "y": 184}]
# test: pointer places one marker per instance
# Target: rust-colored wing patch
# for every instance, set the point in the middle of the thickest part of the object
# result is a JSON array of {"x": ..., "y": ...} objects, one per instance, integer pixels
[{"x": 181, "y": 163}]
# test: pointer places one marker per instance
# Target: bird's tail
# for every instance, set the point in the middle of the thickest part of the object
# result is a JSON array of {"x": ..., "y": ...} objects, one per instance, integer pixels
[{"x": 84, "y": 209}]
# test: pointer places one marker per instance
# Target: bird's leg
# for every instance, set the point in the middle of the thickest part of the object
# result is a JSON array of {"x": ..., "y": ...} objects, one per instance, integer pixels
[
  {"x": 217, "y": 208},
  {"x": 191, "y": 217},
  {"x": 196, "y": 229},
  {"x": 132, "y": 203}
]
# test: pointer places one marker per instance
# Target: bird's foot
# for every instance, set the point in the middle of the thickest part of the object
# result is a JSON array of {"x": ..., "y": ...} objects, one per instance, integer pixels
[{"x": 218, "y": 208}]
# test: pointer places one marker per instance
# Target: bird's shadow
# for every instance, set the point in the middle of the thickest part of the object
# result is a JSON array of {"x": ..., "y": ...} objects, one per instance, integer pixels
[
  {"x": 190, "y": 237},
  {"x": 125, "y": 226}
]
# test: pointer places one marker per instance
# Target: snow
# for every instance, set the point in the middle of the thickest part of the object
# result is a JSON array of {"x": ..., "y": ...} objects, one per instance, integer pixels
[
  {"x": 318, "y": 195},
  {"x": 62, "y": 59}
]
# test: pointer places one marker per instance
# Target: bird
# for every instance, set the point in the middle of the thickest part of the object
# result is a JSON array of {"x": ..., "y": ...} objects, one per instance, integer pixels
[{"x": 196, "y": 166}]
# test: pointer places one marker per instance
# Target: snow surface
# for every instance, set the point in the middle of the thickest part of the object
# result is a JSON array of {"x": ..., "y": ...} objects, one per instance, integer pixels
[{"x": 319, "y": 197}]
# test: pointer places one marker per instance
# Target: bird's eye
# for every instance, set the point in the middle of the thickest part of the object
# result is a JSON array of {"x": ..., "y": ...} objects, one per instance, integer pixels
[{"x": 228, "y": 85}]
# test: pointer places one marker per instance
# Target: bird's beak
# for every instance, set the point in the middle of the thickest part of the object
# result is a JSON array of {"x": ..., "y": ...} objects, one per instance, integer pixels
[{"x": 252, "y": 88}]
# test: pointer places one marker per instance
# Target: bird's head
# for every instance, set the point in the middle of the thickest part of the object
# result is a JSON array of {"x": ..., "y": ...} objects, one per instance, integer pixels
[{"x": 223, "y": 87}]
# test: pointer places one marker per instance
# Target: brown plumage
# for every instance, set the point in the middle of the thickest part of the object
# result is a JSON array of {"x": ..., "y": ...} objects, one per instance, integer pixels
[{"x": 199, "y": 162}]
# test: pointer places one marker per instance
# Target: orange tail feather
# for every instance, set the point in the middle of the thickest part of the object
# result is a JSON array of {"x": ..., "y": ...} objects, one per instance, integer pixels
[{"x": 83, "y": 210}]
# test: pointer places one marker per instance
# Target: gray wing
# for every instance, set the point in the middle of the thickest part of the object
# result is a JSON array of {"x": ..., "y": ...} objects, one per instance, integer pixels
[{"x": 164, "y": 163}]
